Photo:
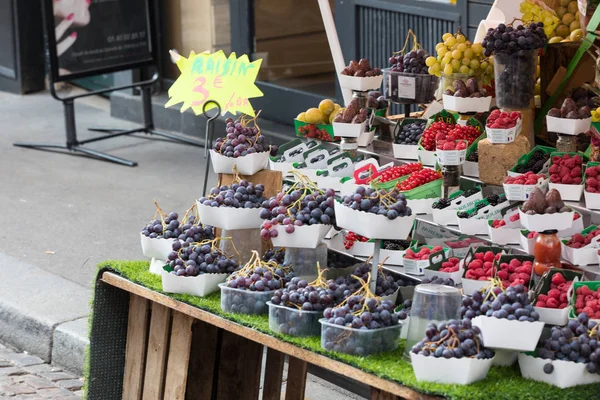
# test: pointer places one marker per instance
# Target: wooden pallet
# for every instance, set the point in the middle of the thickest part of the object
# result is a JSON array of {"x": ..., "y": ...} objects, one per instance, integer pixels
[{"x": 177, "y": 351}]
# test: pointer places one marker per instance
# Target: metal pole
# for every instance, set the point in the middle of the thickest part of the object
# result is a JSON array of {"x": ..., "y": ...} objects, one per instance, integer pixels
[{"x": 374, "y": 265}]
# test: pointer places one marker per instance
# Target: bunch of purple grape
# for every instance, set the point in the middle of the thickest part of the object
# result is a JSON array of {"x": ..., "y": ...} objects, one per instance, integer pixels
[
  {"x": 198, "y": 259},
  {"x": 455, "y": 339},
  {"x": 506, "y": 39},
  {"x": 577, "y": 342},
  {"x": 297, "y": 208},
  {"x": 412, "y": 62},
  {"x": 276, "y": 255},
  {"x": 391, "y": 204},
  {"x": 260, "y": 279},
  {"x": 386, "y": 285},
  {"x": 436, "y": 280},
  {"x": 192, "y": 233},
  {"x": 299, "y": 294},
  {"x": 239, "y": 195},
  {"x": 167, "y": 229},
  {"x": 514, "y": 304},
  {"x": 242, "y": 140},
  {"x": 374, "y": 315},
  {"x": 404, "y": 312}
]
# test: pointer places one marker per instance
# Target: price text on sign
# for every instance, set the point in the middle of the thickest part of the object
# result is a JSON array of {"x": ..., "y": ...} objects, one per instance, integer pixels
[{"x": 227, "y": 80}]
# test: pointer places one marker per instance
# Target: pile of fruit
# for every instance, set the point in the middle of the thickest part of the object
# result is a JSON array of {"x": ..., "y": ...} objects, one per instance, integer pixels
[
  {"x": 277, "y": 255},
  {"x": 469, "y": 89},
  {"x": 419, "y": 178},
  {"x": 324, "y": 114},
  {"x": 361, "y": 69},
  {"x": 422, "y": 254},
  {"x": 570, "y": 108},
  {"x": 535, "y": 163},
  {"x": 561, "y": 24},
  {"x": 412, "y": 61},
  {"x": 398, "y": 171},
  {"x": 163, "y": 225},
  {"x": 353, "y": 114},
  {"x": 502, "y": 120},
  {"x": 301, "y": 204},
  {"x": 557, "y": 295},
  {"x": 578, "y": 240},
  {"x": 499, "y": 223},
  {"x": 301, "y": 295},
  {"x": 352, "y": 238},
  {"x": 587, "y": 301},
  {"x": 449, "y": 145},
  {"x": 492, "y": 200},
  {"x": 539, "y": 12},
  {"x": 515, "y": 272},
  {"x": 462, "y": 244},
  {"x": 532, "y": 235},
  {"x": 395, "y": 245},
  {"x": 360, "y": 311},
  {"x": 384, "y": 285},
  {"x": 243, "y": 137},
  {"x": 454, "y": 339},
  {"x": 201, "y": 258},
  {"x": 508, "y": 39},
  {"x": 450, "y": 265},
  {"x": 390, "y": 203},
  {"x": 511, "y": 303},
  {"x": 528, "y": 178},
  {"x": 540, "y": 204},
  {"x": 481, "y": 266},
  {"x": 577, "y": 342},
  {"x": 592, "y": 182},
  {"x": 260, "y": 276},
  {"x": 242, "y": 194},
  {"x": 566, "y": 169},
  {"x": 457, "y": 55},
  {"x": 376, "y": 100},
  {"x": 404, "y": 312},
  {"x": 443, "y": 131},
  {"x": 436, "y": 280},
  {"x": 445, "y": 202},
  {"x": 410, "y": 133}
]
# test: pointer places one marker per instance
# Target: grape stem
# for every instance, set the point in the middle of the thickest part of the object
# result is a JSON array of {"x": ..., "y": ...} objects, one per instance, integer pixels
[
  {"x": 320, "y": 281},
  {"x": 255, "y": 262},
  {"x": 162, "y": 215}
]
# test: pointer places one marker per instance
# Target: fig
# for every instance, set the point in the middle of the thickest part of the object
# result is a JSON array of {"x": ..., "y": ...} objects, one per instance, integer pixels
[
  {"x": 360, "y": 117},
  {"x": 360, "y": 73},
  {"x": 572, "y": 115},
  {"x": 585, "y": 112},
  {"x": 484, "y": 92},
  {"x": 449, "y": 92},
  {"x": 537, "y": 200},
  {"x": 339, "y": 117},
  {"x": 364, "y": 65},
  {"x": 472, "y": 85},
  {"x": 549, "y": 210},
  {"x": 372, "y": 102},
  {"x": 459, "y": 85},
  {"x": 347, "y": 71},
  {"x": 476, "y": 94},
  {"x": 555, "y": 112},
  {"x": 369, "y": 73},
  {"x": 582, "y": 102},
  {"x": 579, "y": 93},
  {"x": 461, "y": 93},
  {"x": 554, "y": 200},
  {"x": 530, "y": 212},
  {"x": 564, "y": 209},
  {"x": 353, "y": 66},
  {"x": 527, "y": 206},
  {"x": 567, "y": 106}
]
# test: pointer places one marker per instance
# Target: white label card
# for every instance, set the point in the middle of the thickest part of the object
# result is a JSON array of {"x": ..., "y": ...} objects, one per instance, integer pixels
[{"x": 406, "y": 87}]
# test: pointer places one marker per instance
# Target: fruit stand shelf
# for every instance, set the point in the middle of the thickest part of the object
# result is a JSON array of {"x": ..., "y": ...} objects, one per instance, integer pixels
[{"x": 151, "y": 345}]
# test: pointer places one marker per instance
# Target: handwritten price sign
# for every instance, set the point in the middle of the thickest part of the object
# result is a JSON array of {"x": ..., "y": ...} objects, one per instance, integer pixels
[{"x": 227, "y": 80}]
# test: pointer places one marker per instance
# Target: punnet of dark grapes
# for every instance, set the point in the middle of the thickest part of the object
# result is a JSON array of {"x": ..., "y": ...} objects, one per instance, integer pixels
[
  {"x": 163, "y": 225},
  {"x": 243, "y": 137},
  {"x": 248, "y": 289}
]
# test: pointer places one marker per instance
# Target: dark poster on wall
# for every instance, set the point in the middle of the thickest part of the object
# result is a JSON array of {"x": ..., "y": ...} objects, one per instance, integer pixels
[{"x": 90, "y": 37}]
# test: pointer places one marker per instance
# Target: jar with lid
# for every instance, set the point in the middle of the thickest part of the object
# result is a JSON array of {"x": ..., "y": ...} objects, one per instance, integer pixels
[{"x": 546, "y": 251}]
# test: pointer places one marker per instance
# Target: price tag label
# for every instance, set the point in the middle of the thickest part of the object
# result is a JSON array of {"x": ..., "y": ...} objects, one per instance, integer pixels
[
  {"x": 445, "y": 116},
  {"x": 227, "y": 80},
  {"x": 407, "y": 87}
]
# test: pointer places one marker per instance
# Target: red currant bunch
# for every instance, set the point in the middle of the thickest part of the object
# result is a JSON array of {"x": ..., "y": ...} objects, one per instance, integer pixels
[
  {"x": 352, "y": 238},
  {"x": 419, "y": 178},
  {"x": 468, "y": 133},
  {"x": 397, "y": 171}
]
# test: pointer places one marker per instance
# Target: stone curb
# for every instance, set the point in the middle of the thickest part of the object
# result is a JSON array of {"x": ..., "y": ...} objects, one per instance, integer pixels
[{"x": 43, "y": 314}]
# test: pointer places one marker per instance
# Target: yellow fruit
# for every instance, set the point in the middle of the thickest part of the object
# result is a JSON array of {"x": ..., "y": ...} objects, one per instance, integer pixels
[
  {"x": 326, "y": 106},
  {"x": 301, "y": 117},
  {"x": 455, "y": 64},
  {"x": 429, "y": 61},
  {"x": 562, "y": 31},
  {"x": 448, "y": 69},
  {"x": 483, "y": 65},
  {"x": 568, "y": 18},
  {"x": 555, "y": 39},
  {"x": 461, "y": 39},
  {"x": 575, "y": 25},
  {"x": 537, "y": 69},
  {"x": 565, "y": 41},
  {"x": 477, "y": 48},
  {"x": 451, "y": 41},
  {"x": 446, "y": 36},
  {"x": 457, "y": 54},
  {"x": 466, "y": 61},
  {"x": 560, "y": 11},
  {"x": 461, "y": 47},
  {"x": 576, "y": 35},
  {"x": 314, "y": 116},
  {"x": 464, "y": 69},
  {"x": 475, "y": 64},
  {"x": 564, "y": 3},
  {"x": 572, "y": 7},
  {"x": 434, "y": 69},
  {"x": 439, "y": 46}
]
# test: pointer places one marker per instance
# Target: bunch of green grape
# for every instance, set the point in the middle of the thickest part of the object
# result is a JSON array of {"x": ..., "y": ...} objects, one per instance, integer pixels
[
  {"x": 533, "y": 12},
  {"x": 456, "y": 55}
]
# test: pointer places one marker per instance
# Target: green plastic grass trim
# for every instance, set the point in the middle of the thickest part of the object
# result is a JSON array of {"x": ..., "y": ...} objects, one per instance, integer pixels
[{"x": 501, "y": 382}]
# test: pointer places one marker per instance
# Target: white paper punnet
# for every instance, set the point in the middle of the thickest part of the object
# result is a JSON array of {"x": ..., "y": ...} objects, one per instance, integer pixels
[
  {"x": 499, "y": 333},
  {"x": 471, "y": 285},
  {"x": 455, "y": 276},
  {"x": 451, "y": 157},
  {"x": 246, "y": 165},
  {"x": 592, "y": 200},
  {"x": 542, "y": 222},
  {"x": 566, "y": 373},
  {"x": 471, "y": 168},
  {"x": 341, "y": 129},
  {"x": 504, "y": 358},
  {"x": 156, "y": 248},
  {"x": 467, "y": 104},
  {"x": 587, "y": 255},
  {"x": 156, "y": 265},
  {"x": 504, "y": 235},
  {"x": 421, "y": 206},
  {"x": 371, "y": 225},
  {"x": 459, "y": 371},
  {"x": 502, "y": 136},
  {"x": 282, "y": 166},
  {"x": 405, "y": 151},
  {"x": 567, "y": 192},
  {"x": 445, "y": 216},
  {"x": 527, "y": 244},
  {"x": 568, "y": 126},
  {"x": 361, "y": 84},
  {"x": 366, "y": 138},
  {"x": 201, "y": 285},
  {"x": 305, "y": 236},
  {"x": 553, "y": 316},
  {"x": 230, "y": 218},
  {"x": 428, "y": 158},
  {"x": 472, "y": 226}
]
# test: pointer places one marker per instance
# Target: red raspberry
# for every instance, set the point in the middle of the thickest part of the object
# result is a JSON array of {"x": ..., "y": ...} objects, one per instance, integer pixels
[
  {"x": 543, "y": 297},
  {"x": 540, "y": 304},
  {"x": 557, "y": 279},
  {"x": 553, "y": 293},
  {"x": 552, "y": 303},
  {"x": 488, "y": 256}
]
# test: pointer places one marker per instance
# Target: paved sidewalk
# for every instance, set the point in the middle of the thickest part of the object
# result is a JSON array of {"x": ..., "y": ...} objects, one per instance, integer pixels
[{"x": 23, "y": 376}]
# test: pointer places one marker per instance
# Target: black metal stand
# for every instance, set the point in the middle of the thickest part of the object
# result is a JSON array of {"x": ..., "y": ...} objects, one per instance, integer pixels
[{"x": 76, "y": 146}]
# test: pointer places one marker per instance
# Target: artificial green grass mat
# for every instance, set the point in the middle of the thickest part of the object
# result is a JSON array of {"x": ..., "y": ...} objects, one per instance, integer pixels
[{"x": 501, "y": 382}]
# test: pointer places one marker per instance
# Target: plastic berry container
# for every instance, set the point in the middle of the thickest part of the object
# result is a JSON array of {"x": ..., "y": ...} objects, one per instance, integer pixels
[
  {"x": 515, "y": 78},
  {"x": 244, "y": 301},
  {"x": 294, "y": 322},
  {"x": 408, "y": 88},
  {"x": 359, "y": 342}
]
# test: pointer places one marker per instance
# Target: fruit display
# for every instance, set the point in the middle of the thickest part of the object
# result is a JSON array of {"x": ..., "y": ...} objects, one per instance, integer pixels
[
  {"x": 502, "y": 120},
  {"x": 243, "y": 137},
  {"x": 436, "y": 280},
  {"x": 528, "y": 178},
  {"x": 515, "y": 52},
  {"x": 450, "y": 265},
  {"x": 458, "y": 55},
  {"x": 391, "y": 204},
  {"x": 511, "y": 303},
  {"x": 561, "y": 24},
  {"x": 549, "y": 204},
  {"x": 404, "y": 312},
  {"x": 201, "y": 258},
  {"x": 410, "y": 60},
  {"x": 579, "y": 240},
  {"x": 398, "y": 171},
  {"x": 449, "y": 145},
  {"x": 445, "y": 202},
  {"x": 470, "y": 88},
  {"x": 163, "y": 225},
  {"x": 566, "y": 169},
  {"x": 384, "y": 286},
  {"x": 592, "y": 182},
  {"x": 570, "y": 110},
  {"x": 419, "y": 178},
  {"x": 535, "y": 163},
  {"x": 352, "y": 114},
  {"x": 556, "y": 296},
  {"x": 350, "y": 238},
  {"x": 321, "y": 115},
  {"x": 376, "y": 100},
  {"x": 276, "y": 255},
  {"x": 454, "y": 339},
  {"x": 481, "y": 266},
  {"x": 491, "y": 200},
  {"x": 517, "y": 271},
  {"x": 587, "y": 302},
  {"x": 361, "y": 69},
  {"x": 410, "y": 133},
  {"x": 242, "y": 194},
  {"x": 422, "y": 254},
  {"x": 443, "y": 131}
]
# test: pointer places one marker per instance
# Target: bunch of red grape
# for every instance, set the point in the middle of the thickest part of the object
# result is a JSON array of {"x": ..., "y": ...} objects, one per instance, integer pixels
[
  {"x": 243, "y": 139},
  {"x": 260, "y": 279},
  {"x": 200, "y": 258},
  {"x": 239, "y": 195}
]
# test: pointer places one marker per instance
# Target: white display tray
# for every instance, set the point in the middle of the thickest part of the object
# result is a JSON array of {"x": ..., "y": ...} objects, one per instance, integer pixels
[
  {"x": 371, "y": 225},
  {"x": 553, "y": 316},
  {"x": 305, "y": 236},
  {"x": 156, "y": 248},
  {"x": 342, "y": 129},
  {"x": 566, "y": 373},
  {"x": 567, "y": 192},
  {"x": 542, "y": 222},
  {"x": 568, "y": 126},
  {"x": 467, "y": 104},
  {"x": 503, "y": 136},
  {"x": 504, "y": 235},
  {"x": 587, "y": 255},
  {"x": 458, "y": 371},
  {"x": 361, "y": 84},
  {"x": 230, "y": 218},
  {"x": 201, "y": 285},
  {"x": 498, "y": 333},
  {"x": 246, "y": 165},
  {"x": 405, "y": 151}
]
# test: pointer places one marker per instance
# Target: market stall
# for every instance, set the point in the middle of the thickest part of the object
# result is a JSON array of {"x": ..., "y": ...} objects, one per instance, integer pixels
[{"x": 451, "y": 252}]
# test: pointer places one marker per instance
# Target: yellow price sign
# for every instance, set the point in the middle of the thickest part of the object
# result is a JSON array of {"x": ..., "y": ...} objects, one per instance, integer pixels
[{"x": 227, "y": 80}]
